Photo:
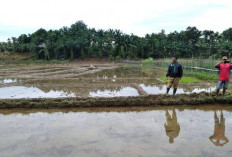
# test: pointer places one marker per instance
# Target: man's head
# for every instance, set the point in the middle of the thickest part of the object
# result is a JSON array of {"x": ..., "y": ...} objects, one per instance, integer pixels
[
  {"x": 174, "y": 59},
  {"x": 224, "y": 59},
  {"x": 171, "y": 140}
]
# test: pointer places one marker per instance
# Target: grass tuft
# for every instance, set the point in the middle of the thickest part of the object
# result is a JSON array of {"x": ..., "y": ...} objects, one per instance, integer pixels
[{"x": 147, "y": 62}]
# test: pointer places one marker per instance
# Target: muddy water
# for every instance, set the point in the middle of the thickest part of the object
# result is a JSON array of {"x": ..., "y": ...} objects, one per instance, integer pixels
[
  {"x": 7, "y": 80},
  {"x": 148, "y": 132},
  {"x": 153, "y": 89},
  {"x": 123, "y": 81},
  {"x": 124, "y": 91},
  {"x": 15, "y": 92}
]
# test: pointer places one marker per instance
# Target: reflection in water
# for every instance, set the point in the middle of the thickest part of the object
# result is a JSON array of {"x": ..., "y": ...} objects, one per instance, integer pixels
[
  {"x": 124, "y": 91},
  {"x": 172, "y": 127},
  {"x": 6, "y": 81},
  {"x": 219, "y": 138},
  {"x": 154, "y": 89},
  {"x": 132, "y": 91},
  {"x": 15, "y": 92},
  {"x": 114, "y": 132}
]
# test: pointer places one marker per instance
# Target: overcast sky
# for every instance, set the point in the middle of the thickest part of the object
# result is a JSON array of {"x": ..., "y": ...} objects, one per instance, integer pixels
[{"x": 131, "y": 16}]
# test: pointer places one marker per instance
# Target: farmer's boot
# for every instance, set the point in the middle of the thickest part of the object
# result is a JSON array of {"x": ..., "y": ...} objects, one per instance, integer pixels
[
  {"x": 224, "y": 91},
  {"x": 167, "y": 90},
  {"x": 217, "y": 91},
  {"x": 174, "y": 91}
]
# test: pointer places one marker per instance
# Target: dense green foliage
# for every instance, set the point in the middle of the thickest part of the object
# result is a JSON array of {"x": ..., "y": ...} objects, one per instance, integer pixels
[{"x": 79, "y": 41}]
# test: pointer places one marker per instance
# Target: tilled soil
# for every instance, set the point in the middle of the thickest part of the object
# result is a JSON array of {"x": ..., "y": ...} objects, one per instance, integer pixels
[{"x": 53, "y": 71}]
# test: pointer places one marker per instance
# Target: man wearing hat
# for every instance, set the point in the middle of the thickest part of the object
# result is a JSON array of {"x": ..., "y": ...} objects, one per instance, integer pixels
[{"x": 224, "y": 75}]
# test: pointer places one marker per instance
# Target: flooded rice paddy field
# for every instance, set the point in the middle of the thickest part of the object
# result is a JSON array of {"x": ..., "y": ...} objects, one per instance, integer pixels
[
  {"x": 73, "y": 80},
  {"x": 175, "y": 131}
]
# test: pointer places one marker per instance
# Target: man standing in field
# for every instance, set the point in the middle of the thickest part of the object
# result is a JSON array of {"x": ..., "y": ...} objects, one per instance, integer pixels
[
  {"x": 224, "y": 75},
  {"x": 174, "y": 74}
]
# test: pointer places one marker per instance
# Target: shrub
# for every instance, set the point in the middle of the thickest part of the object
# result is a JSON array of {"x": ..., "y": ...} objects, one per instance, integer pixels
[{"x": 148, "y": 61}]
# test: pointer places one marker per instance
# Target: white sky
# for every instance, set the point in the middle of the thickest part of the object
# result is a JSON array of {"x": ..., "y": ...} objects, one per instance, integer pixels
[{"x": 130, "y": 16}]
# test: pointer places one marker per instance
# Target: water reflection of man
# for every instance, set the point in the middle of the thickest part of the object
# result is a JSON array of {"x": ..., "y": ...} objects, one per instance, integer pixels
[
  {"x": 172, "y": 127},
  {"x": 219, "y": 138}
]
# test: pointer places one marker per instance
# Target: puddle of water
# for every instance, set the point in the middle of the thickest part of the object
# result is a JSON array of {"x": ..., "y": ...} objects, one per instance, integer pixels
[
  {"x": 124, "y": 91},
  {"x": 6, "y": 81},
  {"x": 162, "y": 89},
  {"x": 15, "y": 92},
  {"x": 164, "y": 132},
  {"x": 150, "y": 89}
]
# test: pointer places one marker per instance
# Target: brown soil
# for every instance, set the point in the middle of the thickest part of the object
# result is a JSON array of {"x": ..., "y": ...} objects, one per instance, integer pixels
[
  {"x": 77, "y": 77},
  {"x": 55, "y": 71},
  {"x": 154, "y": 100},
  {"x": 209, "y": 107}
]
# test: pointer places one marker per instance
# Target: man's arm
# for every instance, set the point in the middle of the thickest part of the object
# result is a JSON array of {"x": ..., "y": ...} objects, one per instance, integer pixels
[
  {"x": 181, "y": 71},
  {"x": 217, "y": 65},
  {"x": 168, "y": 72}
]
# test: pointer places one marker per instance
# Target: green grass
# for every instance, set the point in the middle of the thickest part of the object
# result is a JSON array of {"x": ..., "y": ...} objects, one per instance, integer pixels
[
  {"x": 183, "y": 80},
  {"x": 203, "y": 76}
]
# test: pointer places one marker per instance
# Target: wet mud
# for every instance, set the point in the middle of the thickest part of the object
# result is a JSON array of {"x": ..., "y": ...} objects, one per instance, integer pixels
[
  {"x": 151, "y": 100},
  {"x": 91, "y": 80}
]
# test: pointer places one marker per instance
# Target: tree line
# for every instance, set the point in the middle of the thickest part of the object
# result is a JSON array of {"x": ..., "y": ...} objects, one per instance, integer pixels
[{"x": 79, "y": 42}]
